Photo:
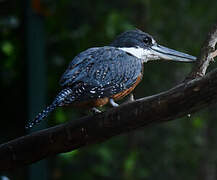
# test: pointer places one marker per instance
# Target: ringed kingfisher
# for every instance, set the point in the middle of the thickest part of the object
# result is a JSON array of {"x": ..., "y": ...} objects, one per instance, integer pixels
[{"x": 102, "y": 75}]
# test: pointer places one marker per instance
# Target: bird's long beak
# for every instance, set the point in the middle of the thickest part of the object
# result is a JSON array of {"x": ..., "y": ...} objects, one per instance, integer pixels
[{"x": 161, "y": 52}]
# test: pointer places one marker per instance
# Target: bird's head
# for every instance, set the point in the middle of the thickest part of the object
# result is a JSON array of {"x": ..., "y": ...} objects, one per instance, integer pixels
[{"x": 144, "y": 47}]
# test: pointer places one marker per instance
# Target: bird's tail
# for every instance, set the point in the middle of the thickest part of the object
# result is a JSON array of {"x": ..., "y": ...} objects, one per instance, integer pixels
[
  {"x": 41, "y": 116},
  {"x": 59, "y": 101}
]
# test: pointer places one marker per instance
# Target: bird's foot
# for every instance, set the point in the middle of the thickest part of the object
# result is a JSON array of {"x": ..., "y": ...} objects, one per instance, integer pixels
[
  {"x": 113, "y": 103},
  {"x": 131, "y": 98},
  {"x": 95, "y": 110}
]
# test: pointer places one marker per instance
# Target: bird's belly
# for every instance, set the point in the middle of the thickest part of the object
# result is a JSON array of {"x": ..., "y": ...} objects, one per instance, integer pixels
[
  {"x": 91, "y": 103},
  {"x": 127, "y": 91},
  {"x": 103, "y": 101}
]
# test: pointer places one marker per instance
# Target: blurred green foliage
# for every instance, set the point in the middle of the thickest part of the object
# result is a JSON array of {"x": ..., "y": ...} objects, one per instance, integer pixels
[{"x": 181, "y": 149}]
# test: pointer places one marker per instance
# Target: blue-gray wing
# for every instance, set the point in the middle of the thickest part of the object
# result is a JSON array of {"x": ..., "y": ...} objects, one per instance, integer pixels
[{"x": 101, "y": 72}]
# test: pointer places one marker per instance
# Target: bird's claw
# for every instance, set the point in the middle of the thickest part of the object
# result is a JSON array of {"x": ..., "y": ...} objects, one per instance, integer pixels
[
  {"x": 131, "y": 98},
  {"x": 95, "y": 110},
  {"x": 113, "y": 103}
]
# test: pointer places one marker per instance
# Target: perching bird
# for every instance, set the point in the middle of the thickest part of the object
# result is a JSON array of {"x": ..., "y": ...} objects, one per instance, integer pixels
[{"x": 102, "y": 75}]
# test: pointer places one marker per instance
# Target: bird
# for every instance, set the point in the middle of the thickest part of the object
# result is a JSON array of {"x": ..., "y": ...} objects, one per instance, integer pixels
[{"x": 102, "y": 75}]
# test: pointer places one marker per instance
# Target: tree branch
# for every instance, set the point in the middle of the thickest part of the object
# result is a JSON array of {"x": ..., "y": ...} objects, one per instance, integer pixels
[
  {"x": 207, "y": 55},
  {"x": 179, "y": 101}
]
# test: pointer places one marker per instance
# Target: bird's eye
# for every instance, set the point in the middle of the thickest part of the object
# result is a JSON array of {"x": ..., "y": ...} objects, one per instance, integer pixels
[{"x": 147, "y": 40}]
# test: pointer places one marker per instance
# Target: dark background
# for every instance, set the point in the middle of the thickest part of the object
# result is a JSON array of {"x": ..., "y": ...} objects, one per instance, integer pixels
[{"x": 180, "y": 149}]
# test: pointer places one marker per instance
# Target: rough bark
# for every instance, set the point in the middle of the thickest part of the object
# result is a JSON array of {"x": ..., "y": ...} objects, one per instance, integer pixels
[
  {"x": 188, "y": 97},
  {"x": 207, "y": 55}
]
